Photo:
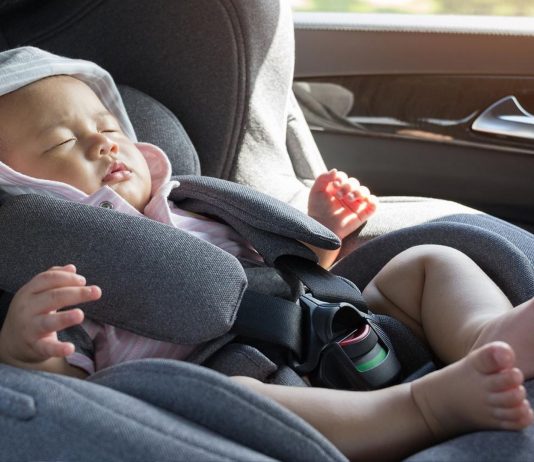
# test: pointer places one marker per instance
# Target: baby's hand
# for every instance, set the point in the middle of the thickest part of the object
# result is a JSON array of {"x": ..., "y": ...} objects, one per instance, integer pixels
[
  {"x": 340, "y": 203},
  {"x": 29, "y": 333}
]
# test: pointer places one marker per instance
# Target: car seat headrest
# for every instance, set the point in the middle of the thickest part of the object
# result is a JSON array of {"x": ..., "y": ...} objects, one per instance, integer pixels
[{"x": 156, "y": 124}]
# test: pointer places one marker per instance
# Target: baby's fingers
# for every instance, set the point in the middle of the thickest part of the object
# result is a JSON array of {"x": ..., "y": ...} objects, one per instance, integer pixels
[
  {"x": 351, "y": 190},
  {"x": 369, "y": 208},
  {"x": 323, "y": 180},
  {"x": 53, "y": 322},
  {"x": 364, "y": 207},
  {"x": 49, "y": 347},
  {"x": 55, "y": 299},
  {"x": 54, "y": 277},
  {"x": 70, "y": 267}
]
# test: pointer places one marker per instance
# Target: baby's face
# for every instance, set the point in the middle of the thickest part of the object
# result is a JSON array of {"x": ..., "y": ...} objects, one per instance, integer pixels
[{"x": 57, "y": 129}]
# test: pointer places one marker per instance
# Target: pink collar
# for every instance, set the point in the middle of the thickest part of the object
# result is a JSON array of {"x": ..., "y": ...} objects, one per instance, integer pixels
[{"x": 15, "y": 183}]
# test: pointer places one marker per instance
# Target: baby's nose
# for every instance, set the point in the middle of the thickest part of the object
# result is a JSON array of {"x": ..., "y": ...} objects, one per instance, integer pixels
[
  {"x": 109, "y": 147},
  {"x": 105, "y": 146}
]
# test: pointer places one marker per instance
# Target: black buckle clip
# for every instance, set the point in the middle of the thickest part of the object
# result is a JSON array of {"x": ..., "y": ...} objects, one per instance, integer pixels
[{"x": 343, "y": 349}]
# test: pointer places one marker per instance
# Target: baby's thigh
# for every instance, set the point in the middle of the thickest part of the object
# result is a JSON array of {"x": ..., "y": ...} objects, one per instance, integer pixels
[{"x": 398, "y": 288}]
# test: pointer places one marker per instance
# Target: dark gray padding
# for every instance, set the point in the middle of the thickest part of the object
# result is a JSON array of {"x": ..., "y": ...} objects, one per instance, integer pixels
[
  {"x": 241, "y": 359},
  {"x": 154, "y": 123},
  {"x": 7, "y": 5},
  {"x": 156, "y": 280},
  {"x": 212, "y": 401}
]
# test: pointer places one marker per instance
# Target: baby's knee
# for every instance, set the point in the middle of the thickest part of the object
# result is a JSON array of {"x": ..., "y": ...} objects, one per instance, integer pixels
[{"x": 433, "y": 253}]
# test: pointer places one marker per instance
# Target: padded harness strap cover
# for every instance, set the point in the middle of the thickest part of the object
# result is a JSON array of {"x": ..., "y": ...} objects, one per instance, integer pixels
[
  {"x": 272, "y": 226},
  {"x": 156, "y": 280}
]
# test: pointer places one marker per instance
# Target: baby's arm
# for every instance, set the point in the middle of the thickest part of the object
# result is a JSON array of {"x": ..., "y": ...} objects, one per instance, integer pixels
[
  {"x": 342, "y": 205},
  {"x": 28, "y": 337}
]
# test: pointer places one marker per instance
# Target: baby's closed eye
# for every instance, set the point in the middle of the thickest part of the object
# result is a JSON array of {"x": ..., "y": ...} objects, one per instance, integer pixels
[{"x": 59, "y": 144}]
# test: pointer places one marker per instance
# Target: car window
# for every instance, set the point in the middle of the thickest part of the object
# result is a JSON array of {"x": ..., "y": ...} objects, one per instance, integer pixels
[{"x": 462, "y": 7}]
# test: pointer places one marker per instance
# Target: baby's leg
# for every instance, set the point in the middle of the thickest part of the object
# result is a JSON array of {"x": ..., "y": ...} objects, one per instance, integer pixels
[
  {"x": 445, "y": 298},
  {"x": 514, "y": 327},
  {"x": 482, "y": 391}
]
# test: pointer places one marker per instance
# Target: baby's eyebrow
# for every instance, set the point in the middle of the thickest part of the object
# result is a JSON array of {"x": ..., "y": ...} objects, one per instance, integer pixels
[
  {"x": 106, "y": 114},
  {"x": 43, "y": 131}
]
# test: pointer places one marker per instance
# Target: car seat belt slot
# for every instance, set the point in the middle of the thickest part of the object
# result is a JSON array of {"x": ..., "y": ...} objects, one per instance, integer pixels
[{"x": 343, "y": 350}]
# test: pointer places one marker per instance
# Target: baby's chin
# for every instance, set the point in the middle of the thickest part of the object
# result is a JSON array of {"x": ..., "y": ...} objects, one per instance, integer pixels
[{"x": 136, "y": 197}]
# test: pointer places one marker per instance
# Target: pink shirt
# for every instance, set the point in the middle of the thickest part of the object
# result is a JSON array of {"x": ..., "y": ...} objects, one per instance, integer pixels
[{"x": 113, "y": 345}]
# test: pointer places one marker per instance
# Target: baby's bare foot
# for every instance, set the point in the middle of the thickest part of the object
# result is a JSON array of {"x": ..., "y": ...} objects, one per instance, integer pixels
[
  {"x": 482, "y": 391},
  {"x": 515, "y": 328}
]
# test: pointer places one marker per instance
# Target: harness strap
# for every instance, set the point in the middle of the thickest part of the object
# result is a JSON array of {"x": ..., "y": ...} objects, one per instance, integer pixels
[
  {"x": 280, "y": 321},
  {"x": 271, "y": 319},
  {"x": 323, "y": 284}
]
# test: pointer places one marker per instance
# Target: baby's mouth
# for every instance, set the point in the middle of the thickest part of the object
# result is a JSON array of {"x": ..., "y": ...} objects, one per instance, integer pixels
[{"x": 116, "y": 173}]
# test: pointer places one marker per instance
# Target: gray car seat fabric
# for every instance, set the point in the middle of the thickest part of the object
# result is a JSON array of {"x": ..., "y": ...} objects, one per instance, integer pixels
[
  {"x": 155, "y": 124},
  {"x": 255, "y": 422},
  {"x": 132, "y": 277},
  {"x": 250, "y": 213},
  {"x": 149, "y": 410},
  {"x": 215, "y": 113},
  {"x": 196, "y": 286}
]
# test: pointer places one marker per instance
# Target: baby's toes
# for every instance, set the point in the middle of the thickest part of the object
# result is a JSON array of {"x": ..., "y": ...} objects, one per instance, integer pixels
[
  {"x": 514, "y": 418},
  {"x": 492, "y": 358},
  {"x": 507, "y": 399},
  {"x": 504, "y": 380}
]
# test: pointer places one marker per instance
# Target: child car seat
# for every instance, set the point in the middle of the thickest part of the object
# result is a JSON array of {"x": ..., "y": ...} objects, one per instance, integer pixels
[
  {"x": 131, "y": 397},
  {"x": 143, "y": 411},
  {"x": 225, "y": 133}
]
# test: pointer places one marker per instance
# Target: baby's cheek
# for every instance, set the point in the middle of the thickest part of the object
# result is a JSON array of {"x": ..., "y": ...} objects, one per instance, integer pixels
[{"x": 87, "y": 185}]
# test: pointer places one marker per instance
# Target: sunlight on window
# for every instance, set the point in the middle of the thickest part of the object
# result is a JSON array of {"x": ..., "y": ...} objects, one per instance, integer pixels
[{"x": 470, "y": 7}]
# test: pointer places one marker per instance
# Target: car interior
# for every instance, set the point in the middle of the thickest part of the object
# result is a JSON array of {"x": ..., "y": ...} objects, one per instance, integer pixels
[
  {"x": 435, "y": 118},
  {"x": 430, "y": 98}
]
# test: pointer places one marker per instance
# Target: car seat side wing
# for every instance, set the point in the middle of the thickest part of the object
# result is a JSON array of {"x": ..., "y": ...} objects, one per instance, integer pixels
[{"x": 156, "y": 280}]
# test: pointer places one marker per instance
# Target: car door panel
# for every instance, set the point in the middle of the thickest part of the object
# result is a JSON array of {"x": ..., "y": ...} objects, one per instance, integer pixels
[{"x": 415, "y": 89}]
